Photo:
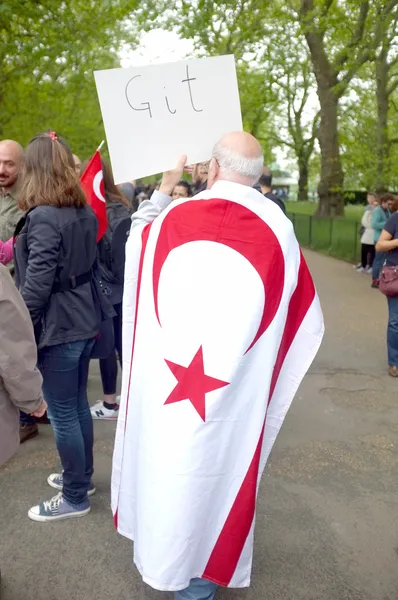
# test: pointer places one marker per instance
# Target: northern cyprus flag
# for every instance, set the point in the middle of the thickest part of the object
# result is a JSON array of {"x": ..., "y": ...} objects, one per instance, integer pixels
[{"x": 221, "y": 323}]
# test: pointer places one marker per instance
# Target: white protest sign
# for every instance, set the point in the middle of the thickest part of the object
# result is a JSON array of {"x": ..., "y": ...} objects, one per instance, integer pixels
[{"x": 154, "y": 114}]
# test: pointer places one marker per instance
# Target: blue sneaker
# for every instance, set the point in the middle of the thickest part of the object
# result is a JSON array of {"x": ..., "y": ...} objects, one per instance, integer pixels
[
  {"x": 57, "y": 509},
  {"x": 56, "y": 481}
]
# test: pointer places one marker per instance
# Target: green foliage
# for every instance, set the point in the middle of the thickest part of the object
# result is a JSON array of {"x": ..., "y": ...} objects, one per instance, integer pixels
[
  {"x": 48, "y": 52},
  {"x": 49, "y": 49}
]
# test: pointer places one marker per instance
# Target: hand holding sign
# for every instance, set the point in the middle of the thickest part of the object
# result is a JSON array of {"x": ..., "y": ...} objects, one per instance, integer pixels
[
  {"x": 154, "y": 114},
  {"x": 171, "y": 178}
]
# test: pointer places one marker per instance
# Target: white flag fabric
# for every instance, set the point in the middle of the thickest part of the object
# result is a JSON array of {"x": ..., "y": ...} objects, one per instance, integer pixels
[{"x": 221, "y": 321}]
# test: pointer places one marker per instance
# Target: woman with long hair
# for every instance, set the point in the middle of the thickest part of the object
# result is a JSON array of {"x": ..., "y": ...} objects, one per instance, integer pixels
[
  {"x": 55, "y": 251},
  {"x": 388, "y": 245},
  {"x": 111, "y": 254}
]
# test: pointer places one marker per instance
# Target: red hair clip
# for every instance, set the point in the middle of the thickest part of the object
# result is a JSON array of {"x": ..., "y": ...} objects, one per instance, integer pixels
[{"x": 53, "y": 135}]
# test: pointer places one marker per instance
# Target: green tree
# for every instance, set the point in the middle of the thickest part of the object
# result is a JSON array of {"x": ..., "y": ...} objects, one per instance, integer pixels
[
  {"x": 341, "y": 37},
  {"x": 48, "y": 52},
  {"x": 289, "y": 70},
  {"x": 386, "y": 76}
]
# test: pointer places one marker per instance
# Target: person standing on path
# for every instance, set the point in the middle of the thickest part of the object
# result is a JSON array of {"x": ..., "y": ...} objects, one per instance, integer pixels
[
  {"x": 388, "y": 245},
  {"x": 111, "y": 258},
  {"x": 55, "y": 252},
  {"x": 11, "y": 162},
  {"x": 367, "y": 237},
  {"x": 221, "y": 321},
  {"x": 379, "y": 218},
  {"x": 20, "y": 380},
  {"x": 265, "y": 183}
]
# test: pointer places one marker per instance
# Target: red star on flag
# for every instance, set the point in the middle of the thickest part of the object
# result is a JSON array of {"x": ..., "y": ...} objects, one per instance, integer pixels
[{"x": 193, "y": 384}]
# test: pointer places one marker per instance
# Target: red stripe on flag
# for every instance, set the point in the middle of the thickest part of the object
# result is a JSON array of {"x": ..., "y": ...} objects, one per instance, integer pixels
[
  {"x": 144, "y": 240},
  {"x": 228, "y": 548}
]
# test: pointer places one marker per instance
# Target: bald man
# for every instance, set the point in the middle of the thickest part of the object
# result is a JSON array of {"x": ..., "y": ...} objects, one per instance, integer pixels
[
  {"x": 216, "y": 292},
  {"x": 11, "y": 161}
]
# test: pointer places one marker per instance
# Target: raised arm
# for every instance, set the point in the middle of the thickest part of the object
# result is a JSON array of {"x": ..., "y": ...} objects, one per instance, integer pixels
[
  {"x": 386, "y": 243},
  {"x": 150, "y": 209}
]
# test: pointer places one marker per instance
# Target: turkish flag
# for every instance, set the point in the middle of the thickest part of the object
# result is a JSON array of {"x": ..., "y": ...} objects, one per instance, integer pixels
[{"x": 92, "y": 182}]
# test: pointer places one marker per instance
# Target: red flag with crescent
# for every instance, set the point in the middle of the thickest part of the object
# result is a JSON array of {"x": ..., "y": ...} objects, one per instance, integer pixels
[{"x": 92, "y": 181}]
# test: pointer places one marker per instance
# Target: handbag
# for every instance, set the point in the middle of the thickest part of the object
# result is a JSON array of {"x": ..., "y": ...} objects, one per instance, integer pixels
[
  {"x": 388, "y": 284},
  {"x": 104, "y": 342}
]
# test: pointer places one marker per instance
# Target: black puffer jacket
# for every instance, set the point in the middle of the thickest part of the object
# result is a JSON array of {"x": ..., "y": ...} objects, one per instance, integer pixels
[{"x": 53, "y": 246}]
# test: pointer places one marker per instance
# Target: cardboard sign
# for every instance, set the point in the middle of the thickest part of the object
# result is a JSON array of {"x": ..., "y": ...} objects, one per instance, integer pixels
[{"x": 154, "y": 114}]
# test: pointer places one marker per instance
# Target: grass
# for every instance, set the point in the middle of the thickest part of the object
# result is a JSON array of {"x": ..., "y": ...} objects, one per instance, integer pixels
[
  {"x": 352, "y": 211},
  {"x": 337, "y": 237}
]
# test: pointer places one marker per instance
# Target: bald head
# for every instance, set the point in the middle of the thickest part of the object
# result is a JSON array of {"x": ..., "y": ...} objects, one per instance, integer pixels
[
  {"x": 11, "y": 160},
  {"x": 237, "y": 157}
]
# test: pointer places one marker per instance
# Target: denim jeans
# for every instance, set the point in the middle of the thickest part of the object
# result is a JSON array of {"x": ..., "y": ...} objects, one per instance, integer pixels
[
  {"x": 378, "y": 261},
  {"x": 64, "y": 368},
  {"x": 198, "y": 589},
  {"x": 392, "y": 331}
]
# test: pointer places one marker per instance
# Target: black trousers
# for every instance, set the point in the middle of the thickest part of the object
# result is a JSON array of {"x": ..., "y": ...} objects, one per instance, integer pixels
[
  {"x": 108, "y": 366},
  {"x": 367, "y": 255}
]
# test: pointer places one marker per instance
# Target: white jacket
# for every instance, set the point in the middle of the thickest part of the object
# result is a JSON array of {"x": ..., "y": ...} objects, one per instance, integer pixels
[{"x": 368, "y": 235}]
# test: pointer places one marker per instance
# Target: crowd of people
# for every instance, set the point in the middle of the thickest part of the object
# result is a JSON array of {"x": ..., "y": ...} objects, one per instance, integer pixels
[
  {"x": 63, "y": 302},
  {"x": 375, "y": 216},
  {"x": 70, "y": 284},
  {"x": 379, "y": 240},
  {"x": 61, "y": 297}
]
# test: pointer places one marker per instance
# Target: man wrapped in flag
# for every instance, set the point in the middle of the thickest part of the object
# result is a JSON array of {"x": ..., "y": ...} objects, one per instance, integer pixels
[{"x": 221, "y": 323}]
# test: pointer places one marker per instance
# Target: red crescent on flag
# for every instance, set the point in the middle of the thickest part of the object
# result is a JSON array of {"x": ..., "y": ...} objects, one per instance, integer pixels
[{"x": 233, "y": 225}]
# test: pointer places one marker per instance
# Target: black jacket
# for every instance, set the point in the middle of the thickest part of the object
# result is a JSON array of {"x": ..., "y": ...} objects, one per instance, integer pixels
[
  {"x": 111, "y": 250},
  {"x": 54, "y": 245},
  {"x": 277, "y": 200}
]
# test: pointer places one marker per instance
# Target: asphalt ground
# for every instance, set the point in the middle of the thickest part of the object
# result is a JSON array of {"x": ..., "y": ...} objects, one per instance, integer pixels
[{"x": 326, "y": 526}]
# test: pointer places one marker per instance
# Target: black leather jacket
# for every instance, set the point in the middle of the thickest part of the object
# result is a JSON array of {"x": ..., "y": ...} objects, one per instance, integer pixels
[{"x": 54, "y": 246}]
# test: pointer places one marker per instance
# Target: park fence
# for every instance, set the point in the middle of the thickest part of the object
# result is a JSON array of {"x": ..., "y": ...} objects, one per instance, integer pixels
[{"x": 336, "y": 237}]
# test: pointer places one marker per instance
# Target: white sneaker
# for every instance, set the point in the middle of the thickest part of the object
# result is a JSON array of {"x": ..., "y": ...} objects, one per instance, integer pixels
[
  {"x": 98, "y": 411},
  {"x": 56, "y": 509},
  {"x": 361, "y": 270}
]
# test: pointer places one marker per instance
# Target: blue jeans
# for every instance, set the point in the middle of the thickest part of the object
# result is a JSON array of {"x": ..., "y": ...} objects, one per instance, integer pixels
[
  {"x": 392, "y": 331},
  {"x": 65, "y": 372},
  {"x": 378, "y": 261},
  {"x": 198, "y": 589}
]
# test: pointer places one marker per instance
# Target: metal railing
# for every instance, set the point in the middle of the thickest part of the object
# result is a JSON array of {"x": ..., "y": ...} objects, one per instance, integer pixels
[{"x": 336, "y": 237}]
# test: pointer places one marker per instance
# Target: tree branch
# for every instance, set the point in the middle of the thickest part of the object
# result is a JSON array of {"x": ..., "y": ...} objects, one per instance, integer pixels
[
  {"x": 356, "y": 37},
  {"x": 281, "y": 141},
  {"x": 393, "y": 86}
]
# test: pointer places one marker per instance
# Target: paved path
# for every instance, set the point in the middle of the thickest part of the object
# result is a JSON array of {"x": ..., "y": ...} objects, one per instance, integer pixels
[{"x": 327, "y": 525}]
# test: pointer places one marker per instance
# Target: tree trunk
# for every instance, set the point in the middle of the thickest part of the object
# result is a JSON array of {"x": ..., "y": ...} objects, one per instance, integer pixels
[
  {"x": 382, "y": 143},
  {"x": 303, "y": 181},
  {"x": 330, "y": 188}
]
